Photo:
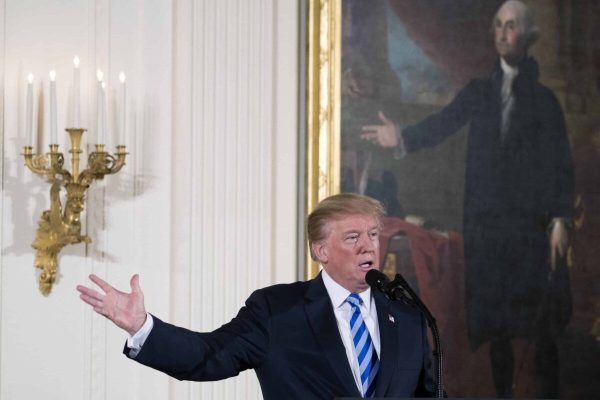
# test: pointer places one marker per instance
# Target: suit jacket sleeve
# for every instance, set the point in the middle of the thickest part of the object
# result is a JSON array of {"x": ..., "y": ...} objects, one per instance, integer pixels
[
  {"x": 558, "y": 160},
  {"x": 234, "y": 347},
  {"x": 435, "y": 128}
]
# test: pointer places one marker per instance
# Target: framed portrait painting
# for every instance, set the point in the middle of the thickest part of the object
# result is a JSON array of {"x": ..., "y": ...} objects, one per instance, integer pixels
[{"x": 475, "y": 123}]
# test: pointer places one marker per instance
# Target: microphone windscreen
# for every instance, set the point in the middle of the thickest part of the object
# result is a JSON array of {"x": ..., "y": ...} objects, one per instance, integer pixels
[{"x": 377, "y": 279}]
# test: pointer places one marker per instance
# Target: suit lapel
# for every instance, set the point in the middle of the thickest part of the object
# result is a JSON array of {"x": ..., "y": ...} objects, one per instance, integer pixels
[
  {"x": 389, "y": 343},
  {"x": 321, "y": 318}
]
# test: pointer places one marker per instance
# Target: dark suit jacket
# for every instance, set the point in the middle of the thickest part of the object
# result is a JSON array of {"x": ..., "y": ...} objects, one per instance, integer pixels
[{"x": 289, "y": 335}]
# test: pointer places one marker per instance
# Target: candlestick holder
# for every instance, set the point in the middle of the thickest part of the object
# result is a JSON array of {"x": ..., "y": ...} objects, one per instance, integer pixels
[{"x": 57, "y": 227}]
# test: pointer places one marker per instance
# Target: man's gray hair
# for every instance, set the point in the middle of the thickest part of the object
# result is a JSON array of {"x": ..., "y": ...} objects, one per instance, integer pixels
[{"x": 526, "y": 17}]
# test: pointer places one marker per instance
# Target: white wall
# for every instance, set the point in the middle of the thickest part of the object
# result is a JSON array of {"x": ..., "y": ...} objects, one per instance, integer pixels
[{"x": 205, "y": 209}]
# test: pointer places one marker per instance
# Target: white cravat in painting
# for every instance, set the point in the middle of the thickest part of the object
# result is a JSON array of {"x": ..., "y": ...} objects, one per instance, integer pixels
[{"x": 506, "y": 93}]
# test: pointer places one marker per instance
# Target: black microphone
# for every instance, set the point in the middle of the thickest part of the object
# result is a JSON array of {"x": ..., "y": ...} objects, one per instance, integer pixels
[
  {"x": 377, "y": 280},
  {"x": 399, "y": 289},
  {"x": 394, "y": 290}
]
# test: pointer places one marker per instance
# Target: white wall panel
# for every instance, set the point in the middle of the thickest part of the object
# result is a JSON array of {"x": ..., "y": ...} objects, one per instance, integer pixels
[
  {"x": 55, "y": 347},
  {"x": 2, "y": 28},
  {"x": 205, "y": 209},
  {"x": 285, "y": 141},
  {"x": 226, "y": 101}
]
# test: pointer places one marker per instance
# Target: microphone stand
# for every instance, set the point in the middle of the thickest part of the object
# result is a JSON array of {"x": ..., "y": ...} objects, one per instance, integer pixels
[{"x": 399, "y": 289}]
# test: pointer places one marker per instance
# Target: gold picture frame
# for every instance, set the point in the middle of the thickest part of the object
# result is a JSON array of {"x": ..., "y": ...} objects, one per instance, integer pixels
[
  {"x": 323, "y": 107},
  {"x": 458, "y": 50}
]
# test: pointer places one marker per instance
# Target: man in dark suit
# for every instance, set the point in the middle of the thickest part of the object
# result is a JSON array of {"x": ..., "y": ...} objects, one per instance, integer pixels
[
  {"x": 328, "y": 337},
  {"x": 519, "y": 200}
]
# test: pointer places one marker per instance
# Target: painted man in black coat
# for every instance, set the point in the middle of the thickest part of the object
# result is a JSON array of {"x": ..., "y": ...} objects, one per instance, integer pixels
[{"x": 519, "y": 196}]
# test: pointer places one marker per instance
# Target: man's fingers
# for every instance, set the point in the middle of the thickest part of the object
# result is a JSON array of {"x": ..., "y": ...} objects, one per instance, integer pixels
[
  {"x": 97, "y": 305},
  {"x": 560, "y": 251},
  {"x": 383, "y": 118},
  {"x": 371, "y": 129},
  {"x": 372, "y": 137},
  {"x": 90, "y": 292},
  {"x": 92, "y": 301},
  {"x": 135, "y": 284},
  {"x": 103, "y": 284},
  {"x": 553, "y": 257},
  {"x": 368, "y": 136}
]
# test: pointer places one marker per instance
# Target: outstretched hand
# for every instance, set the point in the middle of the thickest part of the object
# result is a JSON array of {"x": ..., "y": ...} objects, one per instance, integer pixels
[
  {"x": 126, "y": 310},
  {"x": 385, "y": 135}
]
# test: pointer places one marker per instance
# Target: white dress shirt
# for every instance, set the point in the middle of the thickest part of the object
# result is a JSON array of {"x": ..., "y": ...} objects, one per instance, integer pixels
[
  {"x": 136, "y": 341},
  {"x": 343, "y": 312}
]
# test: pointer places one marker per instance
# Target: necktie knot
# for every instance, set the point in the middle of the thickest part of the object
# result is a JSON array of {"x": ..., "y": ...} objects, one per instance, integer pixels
[{"x": 354, "y": 300}]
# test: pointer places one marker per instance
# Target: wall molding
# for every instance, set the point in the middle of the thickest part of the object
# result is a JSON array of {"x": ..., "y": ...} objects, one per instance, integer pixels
[{"x": 2, "y": 127}]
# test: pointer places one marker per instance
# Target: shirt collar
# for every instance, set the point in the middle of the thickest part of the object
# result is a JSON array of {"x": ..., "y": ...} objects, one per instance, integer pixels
[{"x": 338, "y": 294}]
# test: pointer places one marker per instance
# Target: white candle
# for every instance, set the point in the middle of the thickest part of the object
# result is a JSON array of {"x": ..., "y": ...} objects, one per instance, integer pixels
[
  {"x": 76, "y": 79},
  {"x": 103, "y": 137},
  {"x": 53, "y": 135},
  {"x": 29, "y": 110},
  {"x": 99, "y": 98},
  {"x": 122, "y": 133}
]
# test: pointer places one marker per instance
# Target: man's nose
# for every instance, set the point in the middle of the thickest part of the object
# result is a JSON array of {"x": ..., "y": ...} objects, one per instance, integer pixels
[
  {"x": 366, "y": 244},
  {"x": 503, "y": 33}
]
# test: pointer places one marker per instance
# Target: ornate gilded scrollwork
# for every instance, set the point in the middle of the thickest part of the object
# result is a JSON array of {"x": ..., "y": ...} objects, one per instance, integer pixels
[{"x": 58, "y": 226}]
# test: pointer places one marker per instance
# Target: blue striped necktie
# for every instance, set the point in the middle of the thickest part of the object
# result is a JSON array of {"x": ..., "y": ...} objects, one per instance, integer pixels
[{"x": 368, "y": 362}]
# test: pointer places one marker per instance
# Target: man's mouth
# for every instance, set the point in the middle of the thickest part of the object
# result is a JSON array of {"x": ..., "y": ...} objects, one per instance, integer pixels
[{"x": 366, "y": 265}]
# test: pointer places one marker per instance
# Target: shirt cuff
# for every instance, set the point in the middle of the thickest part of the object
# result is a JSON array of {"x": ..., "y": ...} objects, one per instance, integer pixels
[
  {"x": 400, "y": 150},
  {"x": 135, "y": 342}
]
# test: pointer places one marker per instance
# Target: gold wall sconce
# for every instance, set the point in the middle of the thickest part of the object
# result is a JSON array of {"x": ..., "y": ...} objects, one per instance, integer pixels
[{"x": 60, "y": 226}]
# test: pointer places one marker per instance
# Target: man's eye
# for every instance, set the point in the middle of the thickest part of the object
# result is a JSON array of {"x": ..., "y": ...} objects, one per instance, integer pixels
[
  {"x": 352, "y": 238},
  {"x": 374, "y": 235}
]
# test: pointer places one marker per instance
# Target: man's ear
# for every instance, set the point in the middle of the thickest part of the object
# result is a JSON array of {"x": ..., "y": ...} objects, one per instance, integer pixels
[{"x": 320, "y": 251}]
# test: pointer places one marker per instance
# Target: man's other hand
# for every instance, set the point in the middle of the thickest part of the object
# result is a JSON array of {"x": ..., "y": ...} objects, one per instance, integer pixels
[{"x": 559, "y": 240}]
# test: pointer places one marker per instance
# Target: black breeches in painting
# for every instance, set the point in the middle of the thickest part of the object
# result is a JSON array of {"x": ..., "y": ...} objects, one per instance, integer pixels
[
  {"x": 546, "y": 365},
  {"x": 503, "y": 365},
  {"x": 515, "y": 296}
]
